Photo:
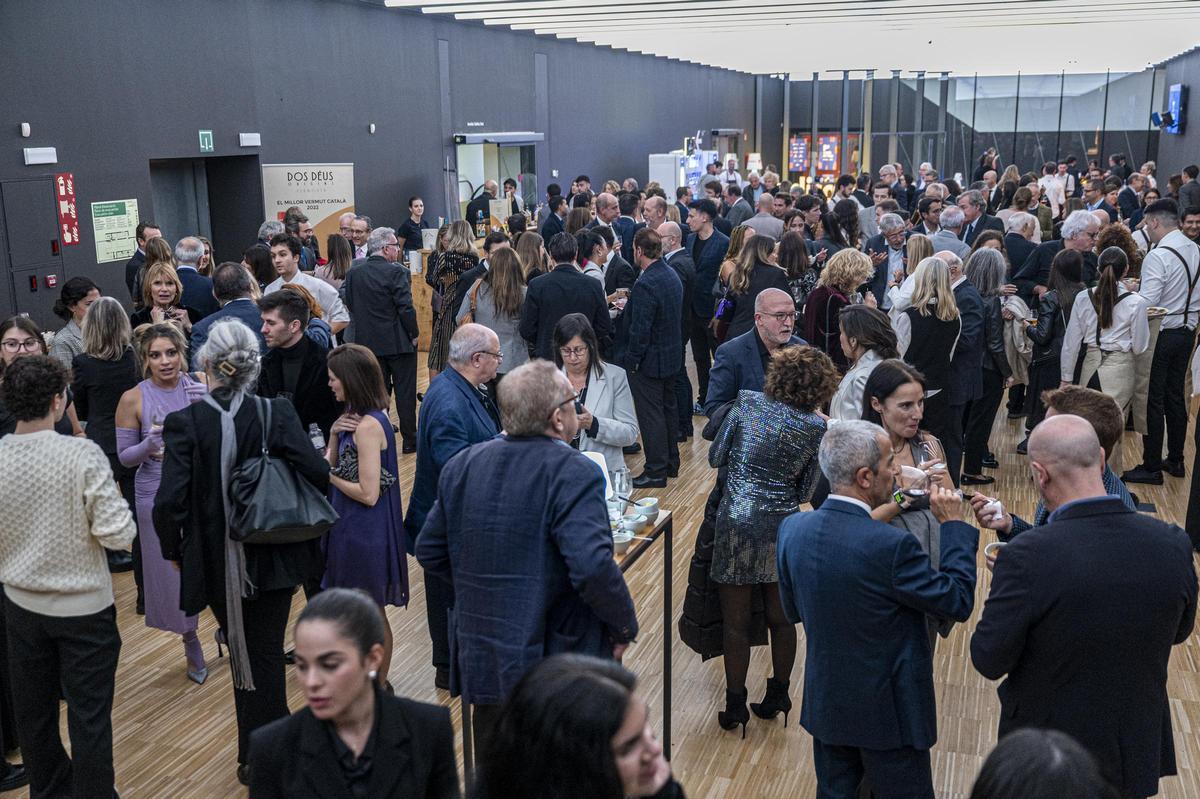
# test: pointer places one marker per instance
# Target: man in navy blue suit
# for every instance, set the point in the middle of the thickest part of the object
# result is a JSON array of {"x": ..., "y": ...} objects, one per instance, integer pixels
[
  {"x": 233, "y": 289},
  {"x": 863, "y": 591},
  {"x": 707, "y": 247},
  {"x": 648, "y": 348},
  {"x": 197, "y": 289},
  {"x": 455, "y": 414},
  {"x": 555, "y": 218}
]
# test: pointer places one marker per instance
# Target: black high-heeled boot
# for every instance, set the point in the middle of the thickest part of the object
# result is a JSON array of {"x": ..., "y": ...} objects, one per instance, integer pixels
[
  {"x": 774, "y": 702},
  {"x": 735, "y": 711}
]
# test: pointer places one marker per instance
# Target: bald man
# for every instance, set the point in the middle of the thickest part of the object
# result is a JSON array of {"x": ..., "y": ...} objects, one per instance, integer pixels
[
  {"x": 1083, "y": 613},
  {"x": 607, "y": 210},
  {"x": 480, "y": 204},
  {"x": 655, "y": 211}
]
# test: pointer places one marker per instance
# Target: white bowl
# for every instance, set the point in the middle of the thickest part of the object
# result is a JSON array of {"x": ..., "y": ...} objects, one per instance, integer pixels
[
  {"x": 648, "y": 507},
  {"x": 633, "y": 523},
  {"x": 621, "y": 542}
]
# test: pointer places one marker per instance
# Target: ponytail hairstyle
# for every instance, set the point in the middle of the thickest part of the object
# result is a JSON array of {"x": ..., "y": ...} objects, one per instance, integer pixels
[
  {"x": 1066, "y": 278},
  {"x": 1113, "y": 263},
  {"x": 74, "y": 290}
]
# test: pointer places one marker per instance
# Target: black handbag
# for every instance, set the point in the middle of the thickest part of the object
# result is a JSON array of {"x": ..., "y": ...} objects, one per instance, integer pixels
[{"x": 272, "y": 504}]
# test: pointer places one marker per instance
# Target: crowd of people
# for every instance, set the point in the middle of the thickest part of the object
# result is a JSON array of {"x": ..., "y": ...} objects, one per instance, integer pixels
[{"x": 852, "y": 346}]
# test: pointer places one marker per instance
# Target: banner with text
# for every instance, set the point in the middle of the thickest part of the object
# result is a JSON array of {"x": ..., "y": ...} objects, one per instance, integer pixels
[{"x": 323, "y": 191}]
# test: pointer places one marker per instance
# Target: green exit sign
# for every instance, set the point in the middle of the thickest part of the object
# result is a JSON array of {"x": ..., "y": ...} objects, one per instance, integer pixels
[{"x": 206, "y": 141}]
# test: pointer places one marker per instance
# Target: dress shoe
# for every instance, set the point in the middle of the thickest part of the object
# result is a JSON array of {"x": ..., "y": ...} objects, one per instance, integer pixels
[
  {"x": 16, "y": 776},
  {"x": 1016, "y": 414},
  {"x": 990, "y": 462},
  {"x": 1023, "y": 447},
  {"x": 632, "y": 449},
  {"x": 119, "y": 561},
  {"x": 977, "y": 479},
  {"x": 1174, "y": 468},
  {"x": 441, "y": 679},
  {"x": 672, "y": 472},
  {"x": 645, "y": 481},
  {"x": 139, "y": 607},
  {"x": 1141, "y": 474},
  {"x": 408, "y": 448},
  {"x": 244, "y": 773}
]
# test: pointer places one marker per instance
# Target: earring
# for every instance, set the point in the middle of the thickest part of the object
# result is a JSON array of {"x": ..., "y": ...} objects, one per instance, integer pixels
[{"x": 372, "y": 674}]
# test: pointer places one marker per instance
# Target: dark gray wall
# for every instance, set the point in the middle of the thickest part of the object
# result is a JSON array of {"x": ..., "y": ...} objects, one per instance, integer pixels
[
  {"x": 1176, "y": 152},
  {"x": 113, "y": 91}
]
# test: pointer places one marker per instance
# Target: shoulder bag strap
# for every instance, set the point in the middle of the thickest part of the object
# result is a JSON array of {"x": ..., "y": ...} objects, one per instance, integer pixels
[
  {"x": 264, "y": 420},
  {"x": 475, "y": 296}
]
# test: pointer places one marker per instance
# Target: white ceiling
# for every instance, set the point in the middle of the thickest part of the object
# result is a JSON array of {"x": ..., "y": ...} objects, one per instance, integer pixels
[{"x": 991, "y": 37}]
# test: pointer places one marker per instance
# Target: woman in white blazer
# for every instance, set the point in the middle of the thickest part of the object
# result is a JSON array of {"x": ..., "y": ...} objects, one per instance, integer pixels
[
  {"x": 604, "y": 405},
  {"x": 867, "y": 340}
]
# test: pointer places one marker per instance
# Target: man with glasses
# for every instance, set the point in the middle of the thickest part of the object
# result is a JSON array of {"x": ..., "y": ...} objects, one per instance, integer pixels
[
  {"x": 360, "y": 229},
  {"x": 456, "y": 413},
  {"x": 520, "y": 532},
  {"x": 649, "y": 340},
  {"x": 378, "y": 291},
  {"x": 1078, "y": 233}
]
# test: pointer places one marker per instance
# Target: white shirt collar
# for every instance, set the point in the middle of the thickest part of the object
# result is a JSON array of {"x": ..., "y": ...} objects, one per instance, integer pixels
[
  {"x": 667, "y": 255},
  {"x": 851, "y": 500},
  {"x": 186, "y": 266},
  {"x": 954, "y": 285}
]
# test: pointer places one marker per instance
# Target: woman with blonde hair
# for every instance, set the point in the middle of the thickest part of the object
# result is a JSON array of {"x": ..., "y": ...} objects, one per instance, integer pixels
[
  {"x": 206, "y": 265},
  {"x": 577, "y": 220},
  {"x": 839, "y": 281},
  {"x": 318, "y": 329},
  {"x": 737, "y": 242},
  {"x": 158, "y": 251},
  {"x": 165, "y": 387},
  {"x": 926, "y": 335},
  {"x": 495, "y": 301},
  {"x": 162, "y": 293},
  {"x": 458, "y": 256}
]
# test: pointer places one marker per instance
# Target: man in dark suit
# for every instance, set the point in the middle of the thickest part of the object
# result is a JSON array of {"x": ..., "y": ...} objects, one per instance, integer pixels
[
  {"x": 145, "y": 231},
  {"x": 233, "y": 289},
  {"x": 966, "y": 368},
  {"x": 862, "y": 190},
  {"x": 683, "y": 196},
  {"x": 618, "y": 273},
  {"x": 294, "y": 366},
  {"x": 739, "y": 210},
  {"x": 545, "y": 582},
  {"x": 1017, "y": 241},
  {"x": 624, "y": 226},
  {"x": 741, "y": 362},
  {"x": 889, "y": 255},
  {"x": 1130, "y": 198},
  {"x": 479, "y": 205},
  {"x": 455, "y": 414},
  {"x": 564, "y": 290},
  {"x": 707, "y": 246},
  {"x": 197, "y": 289},
  {"x": 555, "y": 218},
  {"x": 1078, "y": 233},
  {"x": 678, "y": 259},
  {"x": 1083, "y": 612},
  {"x": 975, "y": 217},
  {"x": 863, "y": 591},
  {"x": 648, "y": 345},
  {"x": 930, "y": 209},
  {"x": 378, "y": 292},
  {"x": 1093, "y": 199}
]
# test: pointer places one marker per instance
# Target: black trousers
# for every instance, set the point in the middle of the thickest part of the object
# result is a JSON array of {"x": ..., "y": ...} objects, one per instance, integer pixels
[
  {"x": 891, "y": 774},
  {"x": 400, "y": 376},
  {"x": 439, "y": 600},
  {"x": 1164, "y": 398},
  {"x": 1016, "y": 398},
  {"x": 981, "y": 413},
  {"x": 1193, "y": 509},
  {"x": 77, "y": 656},
  {"x": 657, "y": 415},
  {"x": 952, "y": 439},
  {"x": 704, "y": 345},
  {"x": 125, "y": 481},
  {"x": 683, "y": 396},
  {"x": 264, "y": 621}
]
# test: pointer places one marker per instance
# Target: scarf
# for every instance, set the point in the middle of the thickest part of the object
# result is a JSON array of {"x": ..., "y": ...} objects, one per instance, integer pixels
[{"x": 237, "y": 582}]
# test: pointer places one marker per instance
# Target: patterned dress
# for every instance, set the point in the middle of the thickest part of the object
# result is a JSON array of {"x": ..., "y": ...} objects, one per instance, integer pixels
[
  {"x": 770, "y": 451},
  {"x": 445, "y": 277}
]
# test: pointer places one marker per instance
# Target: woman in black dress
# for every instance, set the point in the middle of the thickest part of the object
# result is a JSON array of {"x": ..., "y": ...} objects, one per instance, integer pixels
[
  {"x": 926, "y": 336},
  {"x": 756, "y": 269},
  {"x": 162, "y": 293}
]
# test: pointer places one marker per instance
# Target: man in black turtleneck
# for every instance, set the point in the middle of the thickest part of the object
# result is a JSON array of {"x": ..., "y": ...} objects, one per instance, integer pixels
[{"x": 294, "y": 366}]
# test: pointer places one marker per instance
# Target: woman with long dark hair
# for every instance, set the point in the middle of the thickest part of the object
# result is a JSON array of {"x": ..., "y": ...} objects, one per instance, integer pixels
[
  {"x": 830, "y": 236},
  {"x": 1111, "y": 321},
  {"x": 867, "y": 339},
  {"x": 573, "y": 727},
  {"x": 77, "y": 294},
  {"x": 756, "y": 270},
  {"x": 495, "y": 301},
  {"x": 20, "y": 337},
  {"x": 799, "y": 269},
  {"x": 257, "y": 261},
  {"x": 846, "y": 213},
  {"x": 365, "y": 547},
  {"x": 334, "y": 270}
]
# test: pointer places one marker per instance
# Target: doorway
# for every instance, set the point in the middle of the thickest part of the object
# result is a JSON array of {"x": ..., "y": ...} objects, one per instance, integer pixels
[
  {"x": 217, "y": 198},
  {"x": 478, "y": 163}
]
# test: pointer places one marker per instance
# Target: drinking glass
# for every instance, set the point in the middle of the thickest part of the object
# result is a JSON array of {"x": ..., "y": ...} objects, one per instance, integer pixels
[
  {"x": 620, "y": 482},
  {"x": 933, "y": 458}
]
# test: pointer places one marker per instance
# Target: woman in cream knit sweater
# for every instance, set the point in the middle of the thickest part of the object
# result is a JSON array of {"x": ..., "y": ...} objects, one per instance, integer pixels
[{"x": 62, "y": 509}]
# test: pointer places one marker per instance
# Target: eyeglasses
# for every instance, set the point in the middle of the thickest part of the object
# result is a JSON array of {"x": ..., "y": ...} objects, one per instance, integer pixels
[
  {"x": 573, "y": 352},
  {"x": 571, "y": 398},
  {"x": 783, "y": 316},
  {"x": 499, "y": 356},
  {"x": 14, "y": 345},
  {"x": 392, "y": 244}
]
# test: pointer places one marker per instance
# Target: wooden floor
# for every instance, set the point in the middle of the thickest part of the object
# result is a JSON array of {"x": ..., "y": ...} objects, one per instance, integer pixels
[{"x": 177, "y": 739}]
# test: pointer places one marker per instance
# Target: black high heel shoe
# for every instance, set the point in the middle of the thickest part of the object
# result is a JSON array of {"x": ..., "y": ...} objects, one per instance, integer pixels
[
  {"x": 221, "y": 641},
  {"x": 775, "y": 702},
  {"x": 735, "y": 711}
]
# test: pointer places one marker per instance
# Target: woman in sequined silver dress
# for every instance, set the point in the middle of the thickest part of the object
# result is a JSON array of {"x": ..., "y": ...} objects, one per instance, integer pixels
[{"x": 768, "y": 443}]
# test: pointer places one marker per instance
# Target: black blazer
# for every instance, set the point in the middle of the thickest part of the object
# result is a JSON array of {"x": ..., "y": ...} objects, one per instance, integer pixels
[
  {"x": 878, "y": 283},
  {"x": 650, "y": 337},
  {"x": 685, "y": 270},
  {"x": 197, "y": 292},
  {"x": 189, "y": 511},
  {"x": 1082, "y": 616},
  {"x": 551, "y": 297},
  {"x": 293, "y": 757},
  {"x": 98, "y": 386},
  {"x": 984, "y": 222},
  {"x": 1019, "y": 249},
  {"x": 479, "y": 205},
  {"x": 132, "y": 266},
  {"x": 379, "y": 295},
  {"x": 966, "y": 368},
  {"x": 995, "y": 358},
  {"x": 619, "y": 274},
  {"x": 312, "y": 399},
  {"x": 552, "y": 226},
  {"x": 763, "y": 276},
  {"x": 1108, "y": 209},
  {"x": 142, "y": 316}
]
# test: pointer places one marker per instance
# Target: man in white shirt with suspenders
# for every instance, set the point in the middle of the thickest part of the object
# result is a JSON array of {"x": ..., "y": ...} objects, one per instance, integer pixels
[{"x": 1171, "y": 280}]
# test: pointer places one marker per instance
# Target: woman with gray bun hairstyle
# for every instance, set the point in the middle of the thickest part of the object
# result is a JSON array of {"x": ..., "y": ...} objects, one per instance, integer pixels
[{"x": 248, "y": 587}]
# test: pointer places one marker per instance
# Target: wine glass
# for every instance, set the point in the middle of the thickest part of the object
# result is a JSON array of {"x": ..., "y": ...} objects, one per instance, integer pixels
[
  {"x": 933, "y": 458},
  {"x": 913, "y": 482}
]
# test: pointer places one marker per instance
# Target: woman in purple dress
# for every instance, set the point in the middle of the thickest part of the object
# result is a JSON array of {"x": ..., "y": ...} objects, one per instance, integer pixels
[
  {"x": 365, "y": 548},
  {"x": 166, "y": 387}
]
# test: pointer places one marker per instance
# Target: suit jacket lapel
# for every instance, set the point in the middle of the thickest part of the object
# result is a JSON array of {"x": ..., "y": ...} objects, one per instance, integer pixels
[
  {"x": 391, "y": 770},
  {"x": 472, "y": 396},
  {"x": 321, "y": 770},
  {"x": 597, "y": 392}
]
